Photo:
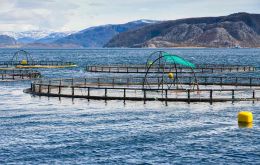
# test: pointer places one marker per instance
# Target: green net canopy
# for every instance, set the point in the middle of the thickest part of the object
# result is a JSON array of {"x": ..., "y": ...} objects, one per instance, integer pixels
[{"x": 177, "y": 60}]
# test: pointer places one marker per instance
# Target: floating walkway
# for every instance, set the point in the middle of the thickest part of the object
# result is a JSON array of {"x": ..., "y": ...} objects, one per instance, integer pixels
[
  {"x": 36, "y": 64},
  {"x": 215, "y": 89},
  {"x": 24, "y": 60},
  {"x": 200, "y": 68},
  {"x": 18, "y": 74},
  {"x": 168, "y": 85}
]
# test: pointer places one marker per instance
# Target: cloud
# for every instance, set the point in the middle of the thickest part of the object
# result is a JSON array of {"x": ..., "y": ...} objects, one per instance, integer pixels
[
  {"x": 27, "y": 14},
  {"x": 18, "y": 15}
]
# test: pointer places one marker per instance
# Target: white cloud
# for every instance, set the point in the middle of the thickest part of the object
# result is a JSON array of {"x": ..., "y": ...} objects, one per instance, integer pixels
[{"x": 20, "y": 15}]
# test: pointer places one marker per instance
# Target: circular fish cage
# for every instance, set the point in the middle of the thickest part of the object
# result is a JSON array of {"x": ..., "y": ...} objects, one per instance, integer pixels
[
  {"x": 166, "y": 77},
  {"x": 18, "y": 74},
  {"x": 24, "y": 60},
  {"x": 212, "y": 89},
  {"x": 200, "y": 68}
]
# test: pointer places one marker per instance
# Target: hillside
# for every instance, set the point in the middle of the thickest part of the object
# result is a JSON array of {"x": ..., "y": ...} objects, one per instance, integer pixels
[
  {"x": 7, "y": 41},
  {"x": 100, "y": 35},
  {"x": 226, "y": 31},
  {"x": 52, "y": 37}
]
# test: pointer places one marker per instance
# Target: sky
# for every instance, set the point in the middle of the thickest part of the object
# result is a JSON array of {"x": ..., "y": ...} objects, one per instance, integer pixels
[{"x": 75, "y": 15}]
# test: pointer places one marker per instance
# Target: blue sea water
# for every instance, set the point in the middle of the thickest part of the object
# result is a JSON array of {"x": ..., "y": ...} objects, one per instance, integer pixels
[{"x": 42, "y": 130}]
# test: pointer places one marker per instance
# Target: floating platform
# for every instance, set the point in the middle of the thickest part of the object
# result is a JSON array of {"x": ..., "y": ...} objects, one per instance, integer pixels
[
  {"x": 212, "y": 89},
  {"x": 18, "y": 74},
  {"x": 200, "y": 68},
  {"x": 24, "y": 60},
  {"x": 36, "y": 64},
  {"x": 167, "y": 85}
]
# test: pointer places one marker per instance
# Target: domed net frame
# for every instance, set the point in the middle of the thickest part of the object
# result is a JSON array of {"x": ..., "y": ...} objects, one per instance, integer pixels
[
  {"x": 21, "y": 55},
  {"x": 163, "y": 63}
]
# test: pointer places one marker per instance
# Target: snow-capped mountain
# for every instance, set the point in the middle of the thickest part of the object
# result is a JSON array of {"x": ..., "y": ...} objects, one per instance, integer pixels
[
  {"x": 53, "y": 37},
  {"x": 146, "y": 21},
  {"x": 36, "y": 34},
  {"x": 132, "y": 23},
  {"x": 98, "y": 36}
]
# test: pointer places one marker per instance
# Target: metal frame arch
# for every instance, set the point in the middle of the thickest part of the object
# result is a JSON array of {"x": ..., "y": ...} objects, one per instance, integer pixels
[
  {"x": 148, "y": 67},
  {"x": 26, "y": 54}
]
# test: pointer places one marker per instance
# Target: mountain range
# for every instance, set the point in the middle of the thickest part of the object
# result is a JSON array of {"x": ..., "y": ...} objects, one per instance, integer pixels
[
  {"x": 239, "y": 29},
  {"x": 91, "y": 37},
  {"x": 6, "y": 41},
  {"x": 100, "y": 35}
]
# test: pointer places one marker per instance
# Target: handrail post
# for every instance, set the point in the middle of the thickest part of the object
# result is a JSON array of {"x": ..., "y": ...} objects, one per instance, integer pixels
[
  {"x": 233, "y": 95},
  {"x": 211, "y": 96},
  {"x": 166, "y": 97},
  {"x": 113, "y": 83},
  {"x": 144, "y": 96},
  {"x": 189, "y": 96},
  {"x": 253, "y": 96},
  {"x": 105, "y": 93},
  {"x": 40, "y": 88},
  {"x": 48, "y": 89},
  {"x": 124, "y": 93}
]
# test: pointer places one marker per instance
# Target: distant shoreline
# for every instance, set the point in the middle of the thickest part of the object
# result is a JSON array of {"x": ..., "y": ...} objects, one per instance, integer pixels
[{"x": 180, "y": 47}]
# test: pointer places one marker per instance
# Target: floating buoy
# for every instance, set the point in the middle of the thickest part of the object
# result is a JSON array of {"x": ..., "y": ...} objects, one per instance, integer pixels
[
  {"x": 24, "y": 62},
  {"x": 245, "y": 117},
  {"x": 245, "y": 125},
  {"x": 170, "y": 75}
]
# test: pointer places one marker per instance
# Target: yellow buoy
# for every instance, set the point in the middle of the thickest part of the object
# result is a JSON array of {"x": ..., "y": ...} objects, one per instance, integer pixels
[
  {"x": 245, "y": 117},
  {"x": 245, "y": 125},
  {"x": 24, "y": 62},
  {"x": 170, "y": 75}
]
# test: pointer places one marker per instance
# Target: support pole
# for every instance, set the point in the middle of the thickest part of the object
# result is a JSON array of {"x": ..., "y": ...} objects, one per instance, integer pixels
[
  {"x": 144, "y": 96},
  {"x": 189, "y": 96},
  {"x": 211, "y": 96}
]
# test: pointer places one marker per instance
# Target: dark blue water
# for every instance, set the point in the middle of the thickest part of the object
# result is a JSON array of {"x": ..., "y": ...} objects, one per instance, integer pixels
[{"x": 42, "y": 130}]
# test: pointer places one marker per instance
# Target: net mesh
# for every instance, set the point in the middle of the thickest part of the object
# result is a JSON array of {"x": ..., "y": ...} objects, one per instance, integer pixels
[{"x": 177, "y": 60}]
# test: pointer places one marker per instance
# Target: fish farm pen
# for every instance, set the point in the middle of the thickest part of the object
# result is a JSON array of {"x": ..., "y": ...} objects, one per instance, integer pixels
[
  {"x": 18, "y": 74},
  {"x": 142, "y": 69},
  {"x": 214, "y": 89},
  {"x": 23, "y": 60},
  {"x": 37, "y": 64},
  {"x": 165, "y": 77}
]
